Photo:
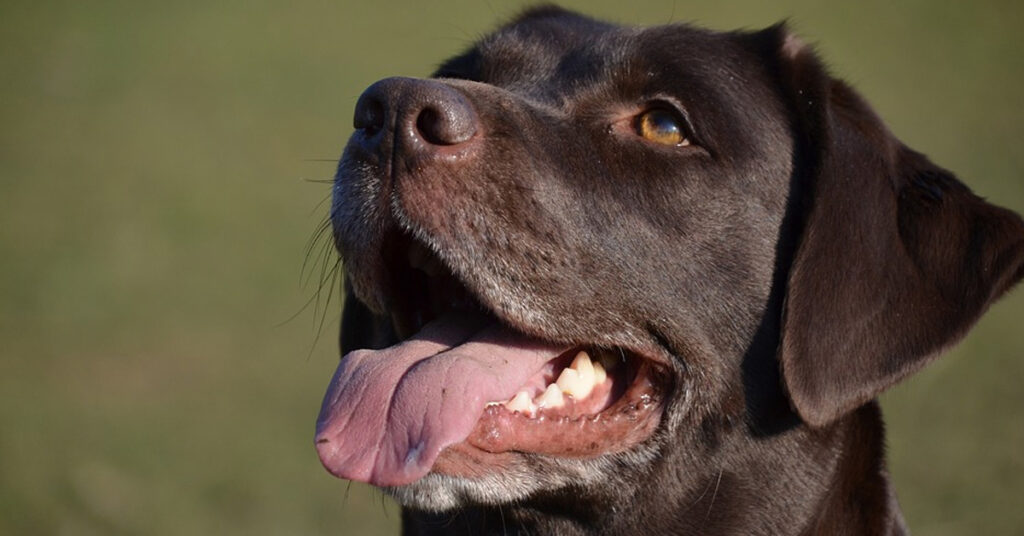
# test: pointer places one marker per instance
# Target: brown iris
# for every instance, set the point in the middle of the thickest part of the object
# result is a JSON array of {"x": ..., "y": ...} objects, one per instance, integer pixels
[{"x": 661, "y": 126}]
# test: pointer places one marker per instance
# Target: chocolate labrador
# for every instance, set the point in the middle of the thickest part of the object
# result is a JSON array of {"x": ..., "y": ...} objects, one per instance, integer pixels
[{"x": 618, "y": 280}]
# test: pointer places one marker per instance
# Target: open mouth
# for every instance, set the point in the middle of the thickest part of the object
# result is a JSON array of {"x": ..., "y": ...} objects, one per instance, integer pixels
[{"x": 462, "y": 377}]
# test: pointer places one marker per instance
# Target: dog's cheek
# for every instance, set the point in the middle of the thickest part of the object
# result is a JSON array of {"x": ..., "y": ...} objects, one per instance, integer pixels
[{"x": 499, "y": 221}]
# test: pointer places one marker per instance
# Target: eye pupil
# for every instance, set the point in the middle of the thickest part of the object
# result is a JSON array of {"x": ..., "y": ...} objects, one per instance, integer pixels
[
  {"x": 662, "y": 122},
  {"x": 661, "y": 126}
]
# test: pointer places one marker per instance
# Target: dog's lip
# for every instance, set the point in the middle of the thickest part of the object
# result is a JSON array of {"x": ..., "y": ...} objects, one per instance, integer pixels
[
  {"x": 626, "y": 420},
  {"x": 503, "y": 440}
]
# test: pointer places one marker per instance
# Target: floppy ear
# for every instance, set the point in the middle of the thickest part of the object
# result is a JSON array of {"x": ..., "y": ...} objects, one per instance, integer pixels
[
  {"x": 896, "y": 258},
  {"x": 360, "y": 328}
]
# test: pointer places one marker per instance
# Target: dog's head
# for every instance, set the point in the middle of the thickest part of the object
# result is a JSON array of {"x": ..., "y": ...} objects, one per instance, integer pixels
[{"x": 733, "y": 237}]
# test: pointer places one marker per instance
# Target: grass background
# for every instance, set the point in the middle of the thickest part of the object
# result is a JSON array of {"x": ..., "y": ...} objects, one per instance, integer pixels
[{"x": 155, "y": 207}]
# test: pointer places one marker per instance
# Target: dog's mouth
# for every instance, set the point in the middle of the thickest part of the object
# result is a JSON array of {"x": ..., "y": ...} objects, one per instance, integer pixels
[{"x": 463, "y": 379}]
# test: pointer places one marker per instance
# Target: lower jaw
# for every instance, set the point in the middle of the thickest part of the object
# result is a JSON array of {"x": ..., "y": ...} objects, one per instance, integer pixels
[
  {"x": 465, "y": 476},
  {"x": 501, "y": 438},
  {"x": 467, "y": 461}
]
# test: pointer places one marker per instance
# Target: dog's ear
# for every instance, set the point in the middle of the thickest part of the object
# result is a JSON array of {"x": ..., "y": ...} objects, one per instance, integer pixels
[
  {"x": 895, "y": 260},
  {"x": 360, "y": 327}
]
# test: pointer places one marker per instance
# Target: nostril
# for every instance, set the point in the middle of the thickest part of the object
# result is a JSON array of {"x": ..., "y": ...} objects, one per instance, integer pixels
[
  {"x": 428, "y": 124},
  {"x": 449, "y": 122},
  {"x": 369, "y": 116}
]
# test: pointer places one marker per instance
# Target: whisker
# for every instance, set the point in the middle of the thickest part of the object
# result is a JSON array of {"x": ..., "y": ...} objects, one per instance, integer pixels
[
  {"x": 297, "y": 313},
  {"x": 330, "y": 279},
  {"x": 311, "y": 245},
  {"x": 321, "y": 266}
]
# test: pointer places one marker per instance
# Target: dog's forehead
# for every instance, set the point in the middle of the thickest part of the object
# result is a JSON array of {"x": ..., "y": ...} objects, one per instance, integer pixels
[
  {"x": 545, "y": 56},
  {"x": 550, "y": 56}
]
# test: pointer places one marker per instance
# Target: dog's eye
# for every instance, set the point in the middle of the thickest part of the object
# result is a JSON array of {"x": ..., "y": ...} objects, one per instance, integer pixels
[{"x": 662, "y": 126}]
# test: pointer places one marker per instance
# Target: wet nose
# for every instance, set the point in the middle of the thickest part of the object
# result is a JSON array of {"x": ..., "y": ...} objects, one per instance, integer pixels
[{"x": 422, "y": 115}]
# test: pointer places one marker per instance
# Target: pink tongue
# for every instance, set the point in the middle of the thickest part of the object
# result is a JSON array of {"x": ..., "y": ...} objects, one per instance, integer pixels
[{"x": 388, "y": 413}]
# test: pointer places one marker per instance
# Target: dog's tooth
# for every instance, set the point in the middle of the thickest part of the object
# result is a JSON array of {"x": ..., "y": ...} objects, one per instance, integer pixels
[
  {"x": 551, "y": 398},
  {"x": 583, "y": 364},
  {"x": 585, "y": 368},
  {"x": 521, "y": 403},
  {"x": 568, "y": 380},
  {"x": 600, "y": 375},
  {"x": 570, "y": 383}
]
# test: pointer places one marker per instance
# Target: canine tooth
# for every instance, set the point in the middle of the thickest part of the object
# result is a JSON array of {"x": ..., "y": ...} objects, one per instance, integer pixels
[
  {"x": 600, "y": 375},
  {"x": 568, "y": 380},
  {"x": 585, "y": 370},
  {"x": 585, "y": 367},
  {"x": 551, "y": 398},
  {"x": 521, "y": 403},
  {"x": 570, "y": 383}
]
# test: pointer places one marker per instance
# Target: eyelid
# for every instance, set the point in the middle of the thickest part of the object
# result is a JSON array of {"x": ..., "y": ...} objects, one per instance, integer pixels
[{"x": 624, "y": 121}]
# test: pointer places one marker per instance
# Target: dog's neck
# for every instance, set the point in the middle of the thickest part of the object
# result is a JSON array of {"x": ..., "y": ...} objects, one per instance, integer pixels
[{"x": 853, "y": 493}]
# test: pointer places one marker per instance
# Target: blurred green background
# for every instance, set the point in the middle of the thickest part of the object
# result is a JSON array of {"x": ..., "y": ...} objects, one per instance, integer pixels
[{"x": 160, "y": 372}]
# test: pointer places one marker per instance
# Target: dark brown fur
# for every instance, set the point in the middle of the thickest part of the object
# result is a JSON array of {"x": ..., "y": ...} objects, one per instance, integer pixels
[{"x": 794, "y": 264}]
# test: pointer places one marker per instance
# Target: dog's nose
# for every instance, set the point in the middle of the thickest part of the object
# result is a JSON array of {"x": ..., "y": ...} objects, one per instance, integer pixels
[{"x": 423, "y": 114}]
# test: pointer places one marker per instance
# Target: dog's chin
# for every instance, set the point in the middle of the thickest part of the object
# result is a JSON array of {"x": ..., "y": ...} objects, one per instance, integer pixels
[
  {"x": 439, "y": 492},
  {"x": 522, "y": 476},
  {"x": 464, "y": 475}
]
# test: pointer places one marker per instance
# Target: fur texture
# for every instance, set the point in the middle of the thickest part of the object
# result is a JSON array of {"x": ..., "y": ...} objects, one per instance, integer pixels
[{"x": 789, "y": 264}]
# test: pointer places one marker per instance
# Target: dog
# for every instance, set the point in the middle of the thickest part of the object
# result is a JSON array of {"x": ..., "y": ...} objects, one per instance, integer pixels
[{"x": 616, "y": 280}]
